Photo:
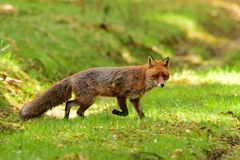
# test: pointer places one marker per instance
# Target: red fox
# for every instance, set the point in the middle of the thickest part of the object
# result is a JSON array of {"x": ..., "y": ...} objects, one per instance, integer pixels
[{"x": 121, "y": 82}]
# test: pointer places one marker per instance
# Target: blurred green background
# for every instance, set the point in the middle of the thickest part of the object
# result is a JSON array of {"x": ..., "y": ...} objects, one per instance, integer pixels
[{"x": 54, "y": 38}]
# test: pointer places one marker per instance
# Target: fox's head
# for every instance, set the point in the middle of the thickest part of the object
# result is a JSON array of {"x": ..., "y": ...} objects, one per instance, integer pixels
[{"x": 157, "y": 73}]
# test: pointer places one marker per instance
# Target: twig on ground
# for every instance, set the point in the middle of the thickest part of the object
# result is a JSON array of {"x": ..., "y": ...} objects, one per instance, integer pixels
[{"x": 9, "y": 79}]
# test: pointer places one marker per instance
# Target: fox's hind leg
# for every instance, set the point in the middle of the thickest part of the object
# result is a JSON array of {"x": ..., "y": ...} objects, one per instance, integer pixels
[
  {"x": 123, "y": 106},
  {"x": 69, "y": 105},
  {"x": 84, "y": 105}
]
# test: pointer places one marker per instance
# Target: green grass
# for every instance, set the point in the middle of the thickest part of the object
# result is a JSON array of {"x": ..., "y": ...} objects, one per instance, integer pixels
[
  {"x": 196, "y": 116},
  {"x": 183, "y": 121}
]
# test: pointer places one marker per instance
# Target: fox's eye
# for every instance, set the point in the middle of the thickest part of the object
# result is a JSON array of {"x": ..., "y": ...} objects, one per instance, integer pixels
[
  {"x": 165, "y": 77},
  {"x": 155, "y": 76}
]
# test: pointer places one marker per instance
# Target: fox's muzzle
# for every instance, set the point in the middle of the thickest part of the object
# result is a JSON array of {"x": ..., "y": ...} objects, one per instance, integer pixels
[{"x": 161, "y": 85}]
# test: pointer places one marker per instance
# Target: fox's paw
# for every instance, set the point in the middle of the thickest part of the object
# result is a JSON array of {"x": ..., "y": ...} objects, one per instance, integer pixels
[
  {"x": 115, "y": 112},
  {"x": 66, "y": 117},
  {"x": 119, "y": 113}
]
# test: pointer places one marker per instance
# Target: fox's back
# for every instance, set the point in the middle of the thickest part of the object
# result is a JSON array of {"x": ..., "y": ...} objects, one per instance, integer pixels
[
  {"x": 110, "y": 81},
  {"x": 95, "y": 76}
]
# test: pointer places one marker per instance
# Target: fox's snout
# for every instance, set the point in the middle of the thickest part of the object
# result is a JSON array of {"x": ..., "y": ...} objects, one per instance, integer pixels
[{"x": 160, "y": 84}]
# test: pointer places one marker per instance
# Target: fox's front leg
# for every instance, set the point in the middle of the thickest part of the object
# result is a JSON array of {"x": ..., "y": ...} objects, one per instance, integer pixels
[
  {"x": 137, "y": 106},
  {"x": 123, "y": 106}
]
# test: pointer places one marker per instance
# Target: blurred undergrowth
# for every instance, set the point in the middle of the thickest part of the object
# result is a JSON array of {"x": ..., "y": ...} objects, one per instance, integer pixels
[{"x": 47, "y": 36}]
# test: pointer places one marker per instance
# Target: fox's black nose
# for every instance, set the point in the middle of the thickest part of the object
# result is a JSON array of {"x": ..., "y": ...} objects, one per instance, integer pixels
[{"x": 162, "y": 85}]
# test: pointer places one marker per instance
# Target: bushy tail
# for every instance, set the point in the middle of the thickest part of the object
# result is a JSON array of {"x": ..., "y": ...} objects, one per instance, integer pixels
[{"x": 57, "y": 94}]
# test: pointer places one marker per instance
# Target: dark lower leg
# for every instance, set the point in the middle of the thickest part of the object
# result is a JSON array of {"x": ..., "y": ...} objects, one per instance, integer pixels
[
  {"x": 82, "y": 109},
  {"x": 84, "y": 105},
  {"x": 123, "y": 107},
  {"x": 69, "y": 105},
  {"x": 137, "y": 106}
]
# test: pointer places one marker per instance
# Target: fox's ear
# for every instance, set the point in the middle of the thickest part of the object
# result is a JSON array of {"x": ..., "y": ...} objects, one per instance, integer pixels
[
  {"x": 151, "y": 61},
  {"x": 166, "y": 62}
]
